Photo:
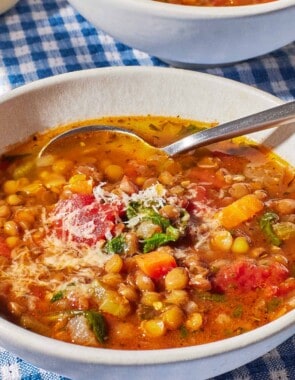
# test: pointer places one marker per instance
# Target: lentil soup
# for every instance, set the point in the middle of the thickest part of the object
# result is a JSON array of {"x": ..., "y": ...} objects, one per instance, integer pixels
[{"x": 104, "y": 245}]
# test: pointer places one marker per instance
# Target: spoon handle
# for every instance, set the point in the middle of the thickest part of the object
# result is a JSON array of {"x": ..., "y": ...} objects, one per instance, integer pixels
[{"x": 273, "y": 117}]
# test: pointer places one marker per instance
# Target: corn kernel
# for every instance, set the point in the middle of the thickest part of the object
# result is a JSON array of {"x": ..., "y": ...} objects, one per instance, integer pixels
[
  {"x": 10, "y": 228},
  {"x": 77, "y": 178},
  {"x": 140, "y": 180},
  {"x": 54, "y": 180},
  {"x": 173, "y": 317},
  {"x": 114, "y": 172},
  {"x": 240, "y": 245},
  {"x": 221, "y": 241},
  {"x": 14, "y": 200},
  {"x": 153, "y": 328},
  {"x": 104, "y": 163},
  {"x": 10, "y": 187},
  {"x": 32, "y": 188},
  {"x": 194, "y": 322},
  {"x": 4, "y": 211},
  {"x": 80, "y": 186},
  {"x": 12, "y": 241}
]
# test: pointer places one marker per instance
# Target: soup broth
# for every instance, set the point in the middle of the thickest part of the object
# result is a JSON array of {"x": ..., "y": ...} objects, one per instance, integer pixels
[{"x": 104, "y": 245}]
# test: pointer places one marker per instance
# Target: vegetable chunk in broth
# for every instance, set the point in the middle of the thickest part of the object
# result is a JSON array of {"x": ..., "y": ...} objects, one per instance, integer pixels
[{"x": 107, "y": 246}]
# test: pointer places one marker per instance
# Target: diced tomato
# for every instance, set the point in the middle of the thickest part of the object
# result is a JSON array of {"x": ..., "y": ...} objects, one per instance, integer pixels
[
  {"x": 207, "y": 176},
  {"x": 4, "y": 249},
  {"x": 198, "y": 198},
  {"x": 156, "y": 264},
  {"x": 284, "y": 288},
  {"x": 246, "y": 275},
  {"x": 233, "y": 163},
  {"x": 38, "y": 291},
  {"x": 82, "y": 219},
  {"x": 199, "y": 194}
]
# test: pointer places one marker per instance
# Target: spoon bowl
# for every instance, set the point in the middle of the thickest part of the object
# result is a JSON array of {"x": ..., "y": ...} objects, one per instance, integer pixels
[{"x": 281, "y": 115}]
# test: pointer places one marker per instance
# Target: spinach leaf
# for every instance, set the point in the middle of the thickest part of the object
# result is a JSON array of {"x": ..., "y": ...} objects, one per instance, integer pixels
[
  {"x": 116, "y": 245},
  {"x": 146, "y": 213},
  {"x": 158, "y": 239},
  {"x": 156, "y": 218},
  {"x": 132, "y": 210}
]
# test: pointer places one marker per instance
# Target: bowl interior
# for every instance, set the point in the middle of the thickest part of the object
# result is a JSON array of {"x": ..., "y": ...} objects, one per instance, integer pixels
[{"x": 135, "y": 91}]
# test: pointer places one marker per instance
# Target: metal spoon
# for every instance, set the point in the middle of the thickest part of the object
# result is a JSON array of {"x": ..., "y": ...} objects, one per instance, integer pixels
[{"x": 273, "y": 117}]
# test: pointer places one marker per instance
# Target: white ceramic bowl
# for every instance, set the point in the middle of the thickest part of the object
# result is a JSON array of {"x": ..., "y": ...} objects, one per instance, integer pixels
[
  {"x": 138, "y": 91},
  {"x": 5, "y": 5},
  {"x": 188, "y": 36}
]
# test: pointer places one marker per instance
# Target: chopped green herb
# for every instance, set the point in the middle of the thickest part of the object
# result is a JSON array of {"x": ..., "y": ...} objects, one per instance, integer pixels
[
  {"x": 191, "y": 128},
  {"x": 116, "y": 245},
  {"x": 273, "y": 304},
  {"x": 158, "y": 239},
  {"x": 97, "y": 324},
  {"x": 265, "y": 224},
  {"x": 57, "y": 296},
  {"x": 216, "y": 297},
  {"x": 183, "y": 332},
  {"x": 238, "y": 311}
]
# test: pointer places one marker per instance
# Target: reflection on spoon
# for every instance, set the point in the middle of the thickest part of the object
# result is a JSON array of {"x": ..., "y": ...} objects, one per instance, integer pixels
[{"x": 273, "y": 117}]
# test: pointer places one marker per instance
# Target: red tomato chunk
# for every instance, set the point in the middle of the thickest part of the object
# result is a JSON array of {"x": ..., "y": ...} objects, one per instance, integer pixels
[
  {"x": 82, "y": 219},
  {"x": 248, "y": 275}
]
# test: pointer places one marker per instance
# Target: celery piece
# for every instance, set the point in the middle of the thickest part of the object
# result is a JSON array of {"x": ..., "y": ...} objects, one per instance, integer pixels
[{"x": 284, "y": 230}]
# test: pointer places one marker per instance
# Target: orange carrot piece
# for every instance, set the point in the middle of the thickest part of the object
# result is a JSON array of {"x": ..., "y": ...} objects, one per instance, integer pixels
[
  {"x": 239, "y": 211},
  {"x": 155, "y": 264}
]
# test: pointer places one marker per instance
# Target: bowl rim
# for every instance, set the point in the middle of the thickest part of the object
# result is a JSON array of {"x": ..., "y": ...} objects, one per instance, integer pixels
[
  {"x": 191, "y": 12},
  {"x": 96, "y": 355},
  {"x": 7, "y": 4},
  {"x": 25, "y": 339}
]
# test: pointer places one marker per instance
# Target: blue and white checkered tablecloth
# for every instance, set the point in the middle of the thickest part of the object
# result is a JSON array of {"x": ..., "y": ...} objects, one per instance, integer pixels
[{"x": 41, "y": 38}]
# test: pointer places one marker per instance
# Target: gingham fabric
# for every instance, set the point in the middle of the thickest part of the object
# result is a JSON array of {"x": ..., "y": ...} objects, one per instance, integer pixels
[{"x": 41, "y": 38}]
